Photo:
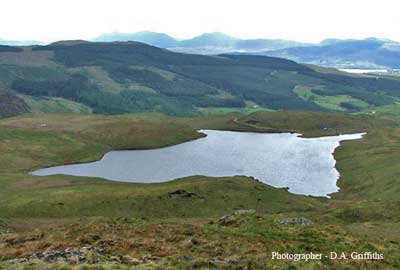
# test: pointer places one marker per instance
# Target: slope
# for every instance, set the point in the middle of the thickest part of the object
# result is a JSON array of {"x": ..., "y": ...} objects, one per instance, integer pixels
[{"x": 125, "y": 77}]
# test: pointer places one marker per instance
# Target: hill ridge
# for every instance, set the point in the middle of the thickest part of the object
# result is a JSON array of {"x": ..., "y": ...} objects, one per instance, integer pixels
[{"x": 128, "y": 77}]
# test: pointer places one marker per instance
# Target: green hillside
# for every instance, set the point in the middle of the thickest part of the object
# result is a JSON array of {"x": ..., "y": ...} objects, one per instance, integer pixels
[
  {"x": 160, "y": 226},
  {"x": 126, "y": 77}
]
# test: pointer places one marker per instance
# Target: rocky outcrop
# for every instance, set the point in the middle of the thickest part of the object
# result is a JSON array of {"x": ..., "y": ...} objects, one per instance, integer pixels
[
  {"x": 84, "y": 255},
  {"x": 295, "y": 221},
  {"x": 181, "y": 193},
  {"x": 229, "y": 220},
  {"x": 72, "y": 255}
]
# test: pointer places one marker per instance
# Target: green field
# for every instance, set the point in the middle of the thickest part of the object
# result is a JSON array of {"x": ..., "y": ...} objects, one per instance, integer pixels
[
  {"x": 59, "y": 105},
  {"x": 40, "y": 214},
  {"x": 219, "y": 110},
  {"x": 332, "y": 103},
  {"x": 393, "y": 109}
]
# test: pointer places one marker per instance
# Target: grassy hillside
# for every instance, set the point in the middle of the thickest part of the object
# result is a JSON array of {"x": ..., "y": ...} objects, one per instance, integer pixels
[
  {"x": 54, "y": 104},
  {"x": 126, "y": 77},
  {"x": 133, "y": 221}
]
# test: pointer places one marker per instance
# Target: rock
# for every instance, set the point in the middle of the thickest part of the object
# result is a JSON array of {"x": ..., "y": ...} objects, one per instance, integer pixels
[
  {"x": 130, "y": 260},
  {"x": 150, "y": 258},
  {"x": 71, "y": 255},
  {"x": 295, "y": 221},
  {"x": 227, "y": 220},
  {"x": 182, "y": 193},
  {"x": 17, "y": 261},
  {"x": 50, "y": 256},
  {"x": 190, "y": 242},
  {"x": 245, "y": 212},
  {"x": 115, "y": 259},
  {"x": 75, "y": 259}
]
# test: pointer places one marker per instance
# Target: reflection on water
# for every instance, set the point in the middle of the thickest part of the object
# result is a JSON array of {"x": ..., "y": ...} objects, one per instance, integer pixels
[{"x": 305, "y": 166}]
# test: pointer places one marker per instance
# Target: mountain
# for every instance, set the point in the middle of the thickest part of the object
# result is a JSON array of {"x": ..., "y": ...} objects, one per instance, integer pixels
[
  {"x": 370, "y": 53},
  {"x": 210, "y": 39},
  {"x": 208, "y": 43},
  {"x": 367, "y": 53},
  {"x": 155, "y": 39},
  {"x": 127, "y": 77},
  {"x": 254, "y": 45},
  {"x": 20, "y": 42}
]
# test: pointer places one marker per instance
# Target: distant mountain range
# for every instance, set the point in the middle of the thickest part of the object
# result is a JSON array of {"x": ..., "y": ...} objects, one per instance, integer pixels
[
  {"x": 370, "y": 53},
  {"x": 367, "y": 53},
  {"x": 20, "y": 42},
  {"x": 209, "y": 43}
]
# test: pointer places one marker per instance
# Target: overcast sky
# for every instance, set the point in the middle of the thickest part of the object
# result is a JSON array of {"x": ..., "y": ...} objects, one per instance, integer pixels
[{"x": 303, "y": 20}]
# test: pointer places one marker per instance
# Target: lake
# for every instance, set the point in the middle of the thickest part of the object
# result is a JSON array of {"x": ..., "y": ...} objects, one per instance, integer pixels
[
  {"x": 304, "y": 165},
  {"x": 363, "y": 71}
]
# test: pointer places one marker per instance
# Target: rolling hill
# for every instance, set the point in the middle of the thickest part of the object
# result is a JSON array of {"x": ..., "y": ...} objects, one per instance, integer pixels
[
  {"x": 127, "y": 77},
  {"x": 155, "y": 39},
  {"x": 190, "y": 223}
]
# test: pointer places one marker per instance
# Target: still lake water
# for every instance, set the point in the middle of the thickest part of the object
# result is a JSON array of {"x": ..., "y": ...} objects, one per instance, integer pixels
[
  {"x": 304, "y": 165},
  {"x": 363, "y": 71}
]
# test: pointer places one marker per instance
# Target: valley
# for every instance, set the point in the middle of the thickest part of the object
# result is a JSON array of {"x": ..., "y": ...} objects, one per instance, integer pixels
[
  {"x": 177, "y": 225},
  {"x": 199, "y": 135},
  {"x": 71, "y": 102}
]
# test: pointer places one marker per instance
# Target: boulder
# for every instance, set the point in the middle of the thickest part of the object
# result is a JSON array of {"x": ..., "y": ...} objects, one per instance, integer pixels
[
  {"x": 245, "y": 212},
  {"x": 295, "y": 221},
  {"x": 229, "y": 220},
  {"x": 130, "y": 260},
  {"x": 181, "y": 193}
]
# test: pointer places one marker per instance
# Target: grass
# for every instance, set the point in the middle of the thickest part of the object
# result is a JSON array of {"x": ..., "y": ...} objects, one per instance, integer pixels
[
  {"x": 333, "y": 103},
  {"x": 101, "y": 77},
  {"x": 70, "y": 197},
  {"x": 45, "y": 213},
  {"x": 221, "y": 110},
  {"x": 52, "y": 105},
  {"x": 393, "y": 109},
  {"x": 204, "y": 244}
]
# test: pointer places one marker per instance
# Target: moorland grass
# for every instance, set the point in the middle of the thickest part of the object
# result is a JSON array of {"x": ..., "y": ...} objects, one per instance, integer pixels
[{"x": 45, "y": 213}]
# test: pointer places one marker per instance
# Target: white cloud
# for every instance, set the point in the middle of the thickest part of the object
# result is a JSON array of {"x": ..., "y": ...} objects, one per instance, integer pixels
[{"x": 306, "y": 20}]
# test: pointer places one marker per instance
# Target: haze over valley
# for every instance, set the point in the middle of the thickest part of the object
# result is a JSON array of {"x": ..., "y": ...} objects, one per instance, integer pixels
[
  {"x": 369, "y": 53},
  {"x": 340, "y": 53}
]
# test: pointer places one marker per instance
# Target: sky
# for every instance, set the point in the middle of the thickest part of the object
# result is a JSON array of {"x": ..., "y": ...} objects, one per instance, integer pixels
[{"x": 301, "y": 20}]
